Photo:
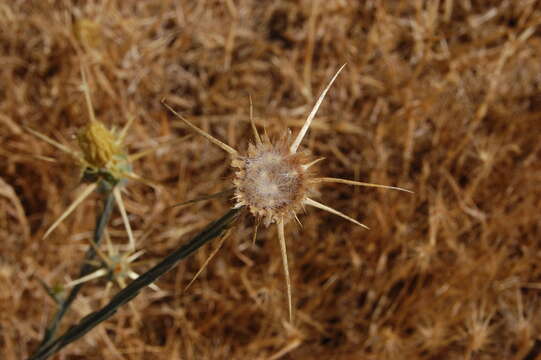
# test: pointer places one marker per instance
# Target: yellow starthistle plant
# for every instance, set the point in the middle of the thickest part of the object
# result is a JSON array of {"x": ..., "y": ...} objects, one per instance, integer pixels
[
  {"x": 102, "y": 159},
  {"x": 115, "y": 264},
  {"x": 274, "y": 181}
]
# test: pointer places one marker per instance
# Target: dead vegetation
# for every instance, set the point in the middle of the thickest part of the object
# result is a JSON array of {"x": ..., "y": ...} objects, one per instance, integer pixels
[{"x": 440, "y": 97}]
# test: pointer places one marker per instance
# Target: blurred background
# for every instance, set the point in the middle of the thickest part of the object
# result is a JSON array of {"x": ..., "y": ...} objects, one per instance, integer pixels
[{"x": 440, "y": 97}]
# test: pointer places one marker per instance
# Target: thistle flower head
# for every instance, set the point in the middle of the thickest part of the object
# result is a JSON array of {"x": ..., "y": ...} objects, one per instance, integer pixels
[
  {"x": 116, "y": 265},
  {"x": 102, "y": 159},
  {"x": 270, "y": 181},
  {"x": 274, "y": 182},
  {"x": 102, "y": 153}
]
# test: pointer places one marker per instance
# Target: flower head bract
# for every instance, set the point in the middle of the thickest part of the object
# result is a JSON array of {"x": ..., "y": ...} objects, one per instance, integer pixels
[{"x": 274, "y": 181}]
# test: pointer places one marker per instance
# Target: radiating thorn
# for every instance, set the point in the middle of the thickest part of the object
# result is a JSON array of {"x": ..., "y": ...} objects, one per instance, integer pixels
[
  {"x": 44, "y": 158},
  {"x": 358, "y": 183},
  {"x": 88, "y": 99},
  {"x": 222, "y": 240},
  {"x": 283, "y": 248},
  {"x": 154, "y": 287},
  {"x": 310, "y": 164},
  {"x": 110, "y": 248},
  {"x": 206, "y": 197},
  {"x": 125, "y": 129},
  {"x": 255, "y": 232},
  {"x": 121, "y": 283},
  {"x": 84, "y": 194},
  {"x": 135, "y": 256},
  {"x": 209, "y": 137},
  {"x": 104, "y": 258},
  {"x": 94, "y": 275},
  {"x": 312, "y": 115},
  {"x": 140, "y": 154},
  {"x": 133, "y": 275},
  {"x": 318, "y": 205},
  {"x": 106, "y": 292},
  {"x": 147, "y": 182},
  {"x": 256, "y": 134},
  {"x": 54, "y": 143},
  {"x": 297, "y": 219},
  {"x": 94, "y": 263},
  {"x": 238, "y": 205},
  {"x": 120, "y": 203}
]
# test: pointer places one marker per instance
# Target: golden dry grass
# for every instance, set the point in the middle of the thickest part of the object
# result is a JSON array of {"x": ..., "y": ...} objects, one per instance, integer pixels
[{"x": 441, "y": 97}]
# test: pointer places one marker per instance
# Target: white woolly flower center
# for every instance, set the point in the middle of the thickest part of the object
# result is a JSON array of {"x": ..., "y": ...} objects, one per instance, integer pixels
[{"x": 271, "y": 181}]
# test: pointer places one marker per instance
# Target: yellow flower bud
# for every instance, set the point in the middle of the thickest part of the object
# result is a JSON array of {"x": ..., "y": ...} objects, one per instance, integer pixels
[{"x": 98, "y": 145}]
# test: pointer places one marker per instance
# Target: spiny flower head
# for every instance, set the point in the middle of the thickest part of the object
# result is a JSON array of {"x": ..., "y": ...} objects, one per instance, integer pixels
[
  {"x": 102, "y": 153},
  {"x": 104, "y": 163},
  {"x": 103, "y": 157},
  {"x": 274, "y": 181},
  {"x": 116, "y": 265},
  {"x": 270, "y": 181},
  {"x": 98, "y": 144}
]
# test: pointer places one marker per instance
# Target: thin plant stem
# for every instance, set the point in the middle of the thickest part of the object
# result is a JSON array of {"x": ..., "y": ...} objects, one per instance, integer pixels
[
  {"x": 86, "y": 269},
  {"x": 213, "y": 230}
]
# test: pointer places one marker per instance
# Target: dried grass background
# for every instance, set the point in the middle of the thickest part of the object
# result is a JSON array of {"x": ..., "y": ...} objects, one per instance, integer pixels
[{"x": 441, "y": 97}]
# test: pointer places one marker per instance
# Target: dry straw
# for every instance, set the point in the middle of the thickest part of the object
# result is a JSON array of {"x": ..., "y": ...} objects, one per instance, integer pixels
[{"x": 441, "y": 94}]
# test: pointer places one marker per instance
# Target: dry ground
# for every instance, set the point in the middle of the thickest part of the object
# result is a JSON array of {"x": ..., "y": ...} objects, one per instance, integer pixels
[{"x": 441, "y": 97}]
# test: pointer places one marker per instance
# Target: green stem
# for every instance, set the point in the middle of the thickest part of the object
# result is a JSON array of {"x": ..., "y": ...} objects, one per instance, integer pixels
[
  {"x": 212, "y": 231},
  {"x": 86, "y": 269}
]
